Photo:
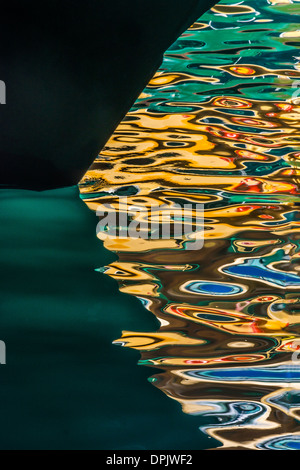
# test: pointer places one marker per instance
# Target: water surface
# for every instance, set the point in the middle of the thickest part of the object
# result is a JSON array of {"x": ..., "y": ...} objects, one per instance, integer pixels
[{"x": 217, "y": 125}]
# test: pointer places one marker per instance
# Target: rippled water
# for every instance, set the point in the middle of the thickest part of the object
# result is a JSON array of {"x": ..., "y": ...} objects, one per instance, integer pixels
[{"x": 218, "y": 125}]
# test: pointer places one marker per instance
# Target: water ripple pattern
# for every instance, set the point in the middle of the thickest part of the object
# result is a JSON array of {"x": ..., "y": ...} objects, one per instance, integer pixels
[{"x": 218, "y": 125}]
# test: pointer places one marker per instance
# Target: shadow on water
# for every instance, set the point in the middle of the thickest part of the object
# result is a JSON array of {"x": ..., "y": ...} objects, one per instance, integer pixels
[{"x": 217, "y": 125}]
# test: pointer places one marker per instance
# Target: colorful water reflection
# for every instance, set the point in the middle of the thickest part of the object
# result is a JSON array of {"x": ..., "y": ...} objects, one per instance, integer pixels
[{"x": 218, "y": 125}]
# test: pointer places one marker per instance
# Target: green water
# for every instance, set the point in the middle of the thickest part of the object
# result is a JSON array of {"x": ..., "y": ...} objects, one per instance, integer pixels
[{"x": 65, "y": 386}]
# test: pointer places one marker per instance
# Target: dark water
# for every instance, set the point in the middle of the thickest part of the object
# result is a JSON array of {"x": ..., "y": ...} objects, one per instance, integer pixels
[
  {"x": 65, "y": 386},
  {"x": 217, "y": 125}
]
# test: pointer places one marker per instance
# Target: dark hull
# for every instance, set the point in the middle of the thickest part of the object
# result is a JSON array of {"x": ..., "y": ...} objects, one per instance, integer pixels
[{"x": 72, "y": 70}]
